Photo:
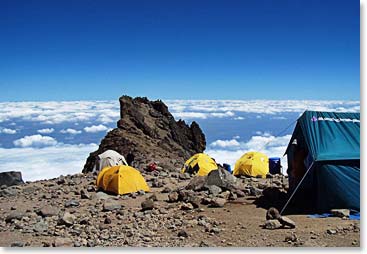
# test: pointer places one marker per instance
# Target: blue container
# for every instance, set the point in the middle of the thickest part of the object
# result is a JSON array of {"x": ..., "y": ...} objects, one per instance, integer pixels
[
  {"x": 227, "y": 167},
  {"x": 274, "y": 165}
]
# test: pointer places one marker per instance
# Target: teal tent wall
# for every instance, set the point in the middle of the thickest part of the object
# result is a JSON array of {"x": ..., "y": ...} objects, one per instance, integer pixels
[{"x": 333, "y": 177}]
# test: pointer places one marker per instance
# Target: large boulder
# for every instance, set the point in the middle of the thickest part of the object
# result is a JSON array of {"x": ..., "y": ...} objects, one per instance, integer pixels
[
  {"x": 148, "y": 132},
  {"x": 221, "y": 178},
  {"x": 11, "y": 178}
]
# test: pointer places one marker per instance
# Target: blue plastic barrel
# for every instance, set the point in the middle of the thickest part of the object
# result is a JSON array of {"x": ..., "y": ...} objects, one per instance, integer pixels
[{"x": 274, "y": 165}]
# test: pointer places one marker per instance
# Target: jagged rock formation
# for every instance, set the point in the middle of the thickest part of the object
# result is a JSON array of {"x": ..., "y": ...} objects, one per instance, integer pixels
[{"x": 149, "y": 131}]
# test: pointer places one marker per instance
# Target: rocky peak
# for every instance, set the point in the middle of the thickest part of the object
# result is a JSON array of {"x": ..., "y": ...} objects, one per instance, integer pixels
[{"x": 149, "y": 131}]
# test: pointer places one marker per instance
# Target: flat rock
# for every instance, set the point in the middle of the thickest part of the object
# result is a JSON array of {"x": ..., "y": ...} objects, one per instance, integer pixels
[
  {"x": 14, "y": 215},
  {"x": 71, "y": 203},
  {"x": 48, "y": 211},
  {"x": 187, "y": 206},
  {"x": 40, "y": 226},
  {"x": 340, "y": 212},
  {"x": 285, "y": 221},
  {"x": 173, "y": 196},
  {"x": 147, "y": 205},
  {"x": 197, "y": 183},
  {"x": 213, "y": 189},
  {"x": 67, "y": 219},
  {"x": 63, "y": 242},
  {"x": 110, "y": 205},
  {"x": 102, "y": 195},
  {"x": 272, "y": 224},
  {"x": 218, "y": 202}
]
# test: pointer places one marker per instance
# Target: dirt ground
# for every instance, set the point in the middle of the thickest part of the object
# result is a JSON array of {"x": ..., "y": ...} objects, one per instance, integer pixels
[{"x": 239, "y": 222}]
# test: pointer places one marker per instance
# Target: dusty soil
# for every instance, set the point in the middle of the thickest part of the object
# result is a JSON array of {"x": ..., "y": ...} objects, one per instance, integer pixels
[{"x": 237, "y": 224}]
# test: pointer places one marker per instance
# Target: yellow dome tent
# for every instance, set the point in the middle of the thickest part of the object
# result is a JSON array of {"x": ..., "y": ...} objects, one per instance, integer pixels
[
  {"x": 200, "y": 163},
  {"x": 121, "y": 179},
  {"x": 252, "y": 164}
]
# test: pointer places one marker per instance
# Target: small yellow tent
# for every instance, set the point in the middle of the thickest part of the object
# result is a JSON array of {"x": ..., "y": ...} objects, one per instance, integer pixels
[
  {"x": 121, "y": 180},
  {"x": 200, "y": 163},
  {"x": 252, "y": 164}
]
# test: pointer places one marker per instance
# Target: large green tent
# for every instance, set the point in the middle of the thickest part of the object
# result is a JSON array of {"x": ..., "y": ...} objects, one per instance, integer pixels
[{"x": 330, "y": 145}]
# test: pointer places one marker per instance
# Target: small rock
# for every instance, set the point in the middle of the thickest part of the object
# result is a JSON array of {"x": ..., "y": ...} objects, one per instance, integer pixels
[
  {"x": 272, "y": 224},
  {"x": 166, "y": 190},
  {"x": 272, "y": 214},
  {"x": 340, "y": 213},
  {"x": 331, "y": 231},
  {"x": 285, "y": 221},
  {"x": 48, "y": 211},
  {"x": 141, "y": 192},
  {"x": 182, "y": 233},
  {"x": 107, "y": 220},
  {"x": 17, "y": 244},
  {"x": 111, "y": 206},
  {"x": 102, "y": 195},
  {"x": 147, "y": 205},
  {"x": 153, "y": 197},
  {"x": 14, "y": 215},
  {"x": 71, "y": 203},
  {"x": 173, "y": 197},
  {"x": 62, "y": 242},
  {"x": 67, "y": 219},
  {"x": 291, "y": 238},
  {"x": 218, "y": 202},
  {"x": 84, "y": 194},
  {"x": 203, "y": 244},
  {"x": 40, "y": 227},
  {"x": 187, "y": 206},
  {"x": 215, "y": 190},
  {"x": 91, "y": 188},
  {"x": 60, "y": 180}
]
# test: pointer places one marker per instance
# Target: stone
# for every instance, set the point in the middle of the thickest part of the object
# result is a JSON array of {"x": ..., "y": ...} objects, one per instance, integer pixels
[
  {"x": 147, "y": 205},
  {"x": 67, "y": 219},
  {"x": 63, "y": 242},
  {"x": 272, "y": 214},
  {"x": 15, "y": 215},
  {"x": 173, "y": 197},
  {"x": 91, "y": 188},
  {"x": 255, "y": 191},
  {"x": 8, "y": 192},
  {"x": 196, "y": 183},
  {"x": 331, "y": 231},
  {"x": 48, "y": 211},
  {"x": 84, "y": 194},
  {"x": 71, "y": 203},
  {"x": 285, "y": 221},
  {"x": 291, "y": 238},
  {"x": 182, "y": 233},
  {"x": 195, "y": 201},
  {"x": 166, "y": 190},
  {"x": 60, "y": 180},
  {"x": 221, "y": 178},
  {"x": 40, "y": 226},
  {"x": 272, "y": 224},
  {"x": 107, "y": 220},
  {"x": 214, "y": 190},
  {"x": 102, "y": 195},
  {"x": 11, "y": 178},
  {"x": 341, "y": 213},
  {"x": 218, "y": 202},
  {"x": 17, "y": 244},
  {"x": 153, "y": 197},
  {"x": 187, "y": 206},
  {"x": 109, "y": 206}
]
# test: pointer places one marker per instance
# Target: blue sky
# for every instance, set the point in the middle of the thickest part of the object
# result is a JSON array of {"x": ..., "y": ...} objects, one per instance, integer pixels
[{"x": 88, "y": 50}]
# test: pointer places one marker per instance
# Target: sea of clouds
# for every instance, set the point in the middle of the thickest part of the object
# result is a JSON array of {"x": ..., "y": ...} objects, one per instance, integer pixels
[{"x": 47, "y": 139}]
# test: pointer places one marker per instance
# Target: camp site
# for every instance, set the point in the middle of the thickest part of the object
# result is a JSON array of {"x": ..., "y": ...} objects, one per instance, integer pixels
[{"x": 125, "y": 198}]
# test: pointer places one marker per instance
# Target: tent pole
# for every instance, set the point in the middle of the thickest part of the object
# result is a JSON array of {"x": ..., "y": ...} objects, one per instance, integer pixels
[{"x": 299, "y": 184}]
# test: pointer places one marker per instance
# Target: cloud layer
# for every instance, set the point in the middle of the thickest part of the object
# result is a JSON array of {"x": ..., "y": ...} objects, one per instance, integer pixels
[{"x": 45, "y": 163}]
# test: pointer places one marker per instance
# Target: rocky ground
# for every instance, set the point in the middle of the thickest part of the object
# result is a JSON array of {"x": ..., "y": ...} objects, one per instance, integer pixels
[{"x": 180, "y": 211}]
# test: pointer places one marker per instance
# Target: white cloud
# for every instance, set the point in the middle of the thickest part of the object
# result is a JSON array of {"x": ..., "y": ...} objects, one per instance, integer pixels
[
  {"x": 47, "y": 162},
  {"x": 35, "y": 141},
  {"x": 70, "y": 131},
  {"x": 239, "y": 118},
  {"x": 225, "y": 143},
  {"x": 95, "y": 128},
  {"x": 46, "y": 130},
  {"x": 7, "y": 131}
]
